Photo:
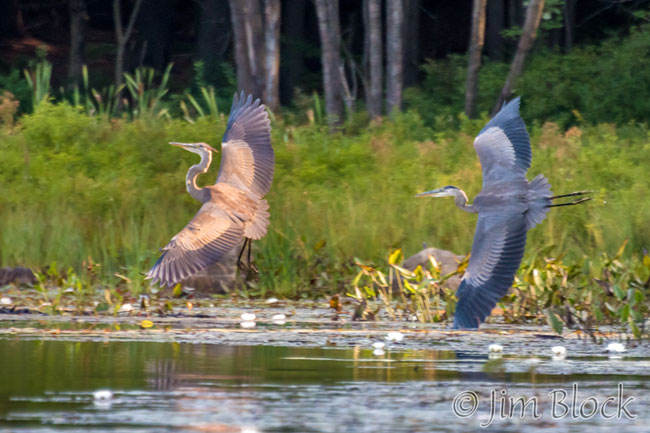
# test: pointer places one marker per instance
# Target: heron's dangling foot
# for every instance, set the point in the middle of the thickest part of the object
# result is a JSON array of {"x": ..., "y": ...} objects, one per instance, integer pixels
[
  {"x": 572, "y": 194},
  {"x": 571, "y": 203}
]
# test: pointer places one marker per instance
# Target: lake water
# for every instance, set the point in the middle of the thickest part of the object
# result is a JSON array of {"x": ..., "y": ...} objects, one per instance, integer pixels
[{"x": 50, "y": 386}]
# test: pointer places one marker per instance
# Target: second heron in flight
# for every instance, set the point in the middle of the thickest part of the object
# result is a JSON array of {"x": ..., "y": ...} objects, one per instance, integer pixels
[
  {"x": 234, "y": 207},
  {"x": 507, "y": 206}
]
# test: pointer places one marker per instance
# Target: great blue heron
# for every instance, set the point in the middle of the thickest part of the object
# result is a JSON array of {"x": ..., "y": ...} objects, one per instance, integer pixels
[
  {"x": 234, "y": 207},
  {"x": 507, "y": 206}
]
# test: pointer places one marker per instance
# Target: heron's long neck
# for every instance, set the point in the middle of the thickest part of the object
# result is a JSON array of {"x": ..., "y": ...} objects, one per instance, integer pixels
[
  {"x": 194, "y": 171},
  {"x": 460, "y": 198}
]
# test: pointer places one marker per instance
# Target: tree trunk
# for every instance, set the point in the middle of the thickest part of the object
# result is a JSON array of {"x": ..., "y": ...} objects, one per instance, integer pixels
[
  {"x": 272, "y": 49},
  {"x": 411, "y": 42},
  {"x": 213, "y": 38},
  {"x": 569, "y": 10},
  {"x": 394, "y": 54},
  {"x": 514, "y": 13},
  {"x": 373, "y": 35},
  {"x": 244, "y": 78},
  {"x": 495, "y": 24},
  {"x": 78, "y": 26},
  {"x": 474, "y": 62},
  {"x": 122, "y": 35},
  {"x": 330, "y": 36},
  {"x": 154, "y": 32},
  {"x": 293, "y": 34},
  {"x": 254, "y": 31},
  {"x": 528, "y": 34},
  {"x": 249, "y": 45}
]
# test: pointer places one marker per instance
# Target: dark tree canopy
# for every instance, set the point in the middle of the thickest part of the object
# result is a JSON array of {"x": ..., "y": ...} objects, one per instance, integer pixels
[{"x": 72, "y": 32}]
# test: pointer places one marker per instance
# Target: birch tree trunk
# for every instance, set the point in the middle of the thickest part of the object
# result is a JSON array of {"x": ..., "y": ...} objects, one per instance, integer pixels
[
  {"x": 394, "y": 54},
  {"x": 330, "y": 36},
  {"x": 374, "y": 46},
  {"x": 526, "y": 40},
  {"x": 78, "y": 26},
  {"x": 474, "y": 62},
  {"x": 272, "y": 49}
]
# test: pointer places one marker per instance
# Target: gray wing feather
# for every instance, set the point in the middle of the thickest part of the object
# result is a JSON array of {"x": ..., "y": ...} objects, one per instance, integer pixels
[
  {"x": 247, "y": 155},
  {"x": 498, "y": 248},
  {"x": 203, "y": 242},
  {"x": 503, "y": 145}
]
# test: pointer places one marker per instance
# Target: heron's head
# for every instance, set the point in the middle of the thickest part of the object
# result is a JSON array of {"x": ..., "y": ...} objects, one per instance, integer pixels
[
  {"x": 198, "y": 148},
  {"x": 445, "y": 191}
]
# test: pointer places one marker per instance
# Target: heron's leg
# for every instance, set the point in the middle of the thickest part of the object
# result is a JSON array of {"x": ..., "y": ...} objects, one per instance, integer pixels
[
  {"x": 251, "y": 266},
  {"x": 572, "y": 194},
  {"x": 246, "y": 240},
  {"x": 582, "y": 200}
]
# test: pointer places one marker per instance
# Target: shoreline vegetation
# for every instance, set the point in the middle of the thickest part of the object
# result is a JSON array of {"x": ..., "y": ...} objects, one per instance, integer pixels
[{"x": 91, "y": 190}]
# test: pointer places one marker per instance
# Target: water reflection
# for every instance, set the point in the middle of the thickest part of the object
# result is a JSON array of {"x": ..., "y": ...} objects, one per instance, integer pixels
[{"x": 51, "y": 386}]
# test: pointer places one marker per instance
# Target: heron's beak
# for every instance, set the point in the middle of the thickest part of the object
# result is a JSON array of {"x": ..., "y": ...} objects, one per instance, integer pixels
[
  {"x": 440, "y": 192},
  {"x": 190, "y": 146},
  {"x": 183, "y": 145}
]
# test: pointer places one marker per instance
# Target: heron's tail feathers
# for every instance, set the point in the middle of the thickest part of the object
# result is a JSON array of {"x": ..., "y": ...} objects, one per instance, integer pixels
[
  {"x": 256, "y": 228},
  {"x": 539, "y": 200}
]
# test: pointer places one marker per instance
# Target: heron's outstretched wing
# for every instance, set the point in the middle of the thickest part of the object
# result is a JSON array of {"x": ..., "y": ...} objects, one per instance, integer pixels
[
  {"x": 247, "y": 158},
  {"x": 498, "y": 248},
  {"x": 203, "y": 241},
  {"x": 503, "y": 145}
]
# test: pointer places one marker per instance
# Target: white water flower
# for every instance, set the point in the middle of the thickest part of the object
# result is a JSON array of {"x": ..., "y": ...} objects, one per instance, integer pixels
[
  {"x": 395, "y": 336},
  {"x": 125, "y": 308},
  {"x": 247, "y": 324},
  {"x": 103, "y": 395},
  {"x": 279, "y": 317},
  {"x": 558, "y": 351},
  {"x": 247, "y": 317},
  {"x": 5, "y": 300},
  {"x": 378, "y": 352},
  {"x": 378, "y": 345},
  {"x": 272, "y": 301},
  {"x": 495, "y": 348},
  {"x": 616, "y": 348}
]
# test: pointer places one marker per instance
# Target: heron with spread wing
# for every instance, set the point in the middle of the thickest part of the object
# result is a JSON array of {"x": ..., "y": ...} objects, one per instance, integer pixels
[
  {"x": 507, "y": 206},
  {"x": 234, "y": 207}
]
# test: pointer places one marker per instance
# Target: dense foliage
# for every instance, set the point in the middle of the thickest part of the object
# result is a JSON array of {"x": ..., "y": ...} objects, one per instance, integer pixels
[
  {"x": 604, "y": 83},
  {"x": 77, "y": 187}
]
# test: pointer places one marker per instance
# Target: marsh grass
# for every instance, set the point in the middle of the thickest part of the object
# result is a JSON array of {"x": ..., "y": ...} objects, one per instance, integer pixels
[{"x": 78, "y": 187}]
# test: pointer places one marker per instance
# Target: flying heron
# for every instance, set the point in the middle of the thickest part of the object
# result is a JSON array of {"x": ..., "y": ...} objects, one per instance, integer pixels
[
  {"x": 507, "y": 206},
  {"x": 234, "y": 207}
]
